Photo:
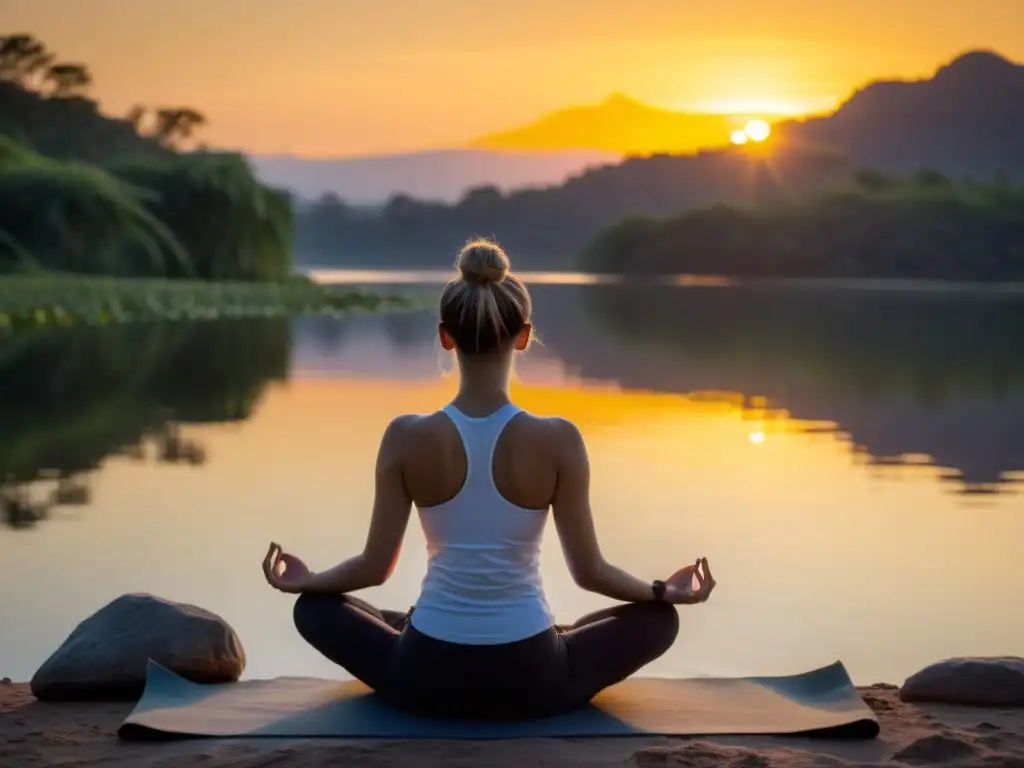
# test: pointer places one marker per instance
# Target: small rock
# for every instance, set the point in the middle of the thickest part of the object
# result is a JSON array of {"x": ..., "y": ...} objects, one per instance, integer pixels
[
  {"x": 996, "y": 681},
  {"x": 105, "y": 657},
  {"x": 935, "y": 750},
  {"x": 984, "y": 725}
]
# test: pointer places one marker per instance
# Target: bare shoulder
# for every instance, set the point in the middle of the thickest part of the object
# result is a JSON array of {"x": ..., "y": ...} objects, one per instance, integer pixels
[
  {"x": 562, "y": 436},
  {"x": 407, "y": 431}
]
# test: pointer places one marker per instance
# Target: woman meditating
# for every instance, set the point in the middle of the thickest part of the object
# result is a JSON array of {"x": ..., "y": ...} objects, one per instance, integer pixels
[{"x": 480, "y": 641}]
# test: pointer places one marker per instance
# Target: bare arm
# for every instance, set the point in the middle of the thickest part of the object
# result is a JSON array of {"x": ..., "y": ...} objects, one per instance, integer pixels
[
  {"x": 575, "y": 525},
  {"x": 391, "y": 508}
]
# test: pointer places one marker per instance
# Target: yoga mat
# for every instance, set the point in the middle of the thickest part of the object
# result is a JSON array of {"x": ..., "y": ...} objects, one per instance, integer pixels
[{"x": 822, "y": 702}]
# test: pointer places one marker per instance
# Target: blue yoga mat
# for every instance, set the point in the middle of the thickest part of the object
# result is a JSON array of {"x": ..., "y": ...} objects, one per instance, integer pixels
[{"x": 821, "y": 702}]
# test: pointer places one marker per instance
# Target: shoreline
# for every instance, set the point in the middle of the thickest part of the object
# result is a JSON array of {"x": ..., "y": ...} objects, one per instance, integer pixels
[
  {"x": 78, "y": 735},
  {"x": 327, "y": 275}
]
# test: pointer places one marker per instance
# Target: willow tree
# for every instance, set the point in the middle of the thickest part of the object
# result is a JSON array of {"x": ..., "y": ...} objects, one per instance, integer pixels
[
  {"x": 230, "y": 224},
  {"x": 76, "y": 217}
]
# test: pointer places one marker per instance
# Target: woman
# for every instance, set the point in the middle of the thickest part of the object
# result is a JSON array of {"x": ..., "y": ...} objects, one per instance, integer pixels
[{"x": 481, "y": 641}]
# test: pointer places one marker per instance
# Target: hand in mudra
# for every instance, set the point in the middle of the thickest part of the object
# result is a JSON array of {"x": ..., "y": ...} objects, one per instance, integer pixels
[
  {"x": 679, "y": 588},
  {"x": 285, "y": 572}
]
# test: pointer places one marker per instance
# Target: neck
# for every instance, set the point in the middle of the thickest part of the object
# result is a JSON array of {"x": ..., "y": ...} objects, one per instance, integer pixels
[{"x": 483, "y": 383}]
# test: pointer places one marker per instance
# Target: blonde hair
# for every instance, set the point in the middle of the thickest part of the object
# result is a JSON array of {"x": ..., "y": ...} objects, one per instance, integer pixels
[{"x": 486, "y": 306}]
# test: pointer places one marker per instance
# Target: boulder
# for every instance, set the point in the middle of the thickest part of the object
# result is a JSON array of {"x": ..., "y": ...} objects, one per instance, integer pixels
[
  {"x": 105, "y": 657},
  {"x": 983, "y": 681}
]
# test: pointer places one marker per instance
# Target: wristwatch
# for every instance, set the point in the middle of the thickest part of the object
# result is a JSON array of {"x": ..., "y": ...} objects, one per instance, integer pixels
[{"x": 658, "y": 587}]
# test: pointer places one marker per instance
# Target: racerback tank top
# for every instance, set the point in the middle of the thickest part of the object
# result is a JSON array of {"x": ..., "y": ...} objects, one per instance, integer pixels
[{"x": 483, "y": 584}]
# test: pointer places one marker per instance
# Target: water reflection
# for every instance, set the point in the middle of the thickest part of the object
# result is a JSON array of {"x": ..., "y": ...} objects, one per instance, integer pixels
[
  {"x": 805, "y": 442},
  {"x": 905, "y": 379},
  {"x": 903, "y": 376},
  {"x": 72, "y": 397}
]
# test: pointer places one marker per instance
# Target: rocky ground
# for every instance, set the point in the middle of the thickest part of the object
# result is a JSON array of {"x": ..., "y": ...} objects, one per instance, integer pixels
[{"x": 78, "y": 735}]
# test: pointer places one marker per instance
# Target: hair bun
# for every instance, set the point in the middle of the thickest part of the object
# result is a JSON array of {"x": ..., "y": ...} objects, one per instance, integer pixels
[{"x": 482, "y": 262}]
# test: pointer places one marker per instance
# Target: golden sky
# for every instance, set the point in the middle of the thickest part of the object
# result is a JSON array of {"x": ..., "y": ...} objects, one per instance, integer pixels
[{"x": 334, "y": 77}]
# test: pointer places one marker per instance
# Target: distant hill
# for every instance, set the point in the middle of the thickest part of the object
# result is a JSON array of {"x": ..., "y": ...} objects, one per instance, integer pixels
[
  {"x": 966, "y": 120},
  {"x": 435, "y": 175},
  {"x": 618, "y": 124},
  {"x": 545, "y": 227}
]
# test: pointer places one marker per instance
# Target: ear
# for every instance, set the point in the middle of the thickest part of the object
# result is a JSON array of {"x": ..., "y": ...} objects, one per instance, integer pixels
[
  {"x": 447, "y": 342},
  {"x": 522, "y": 341}
]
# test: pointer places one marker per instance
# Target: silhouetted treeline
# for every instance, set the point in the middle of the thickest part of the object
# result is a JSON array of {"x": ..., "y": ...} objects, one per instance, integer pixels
[
  {"x": 71, "y": 397},
  {"x": 925, "y": 228},
  {"x": 82, "y": 192},
  {"x": 545, "y": 227},
  {"x": 45, "y": 104}
]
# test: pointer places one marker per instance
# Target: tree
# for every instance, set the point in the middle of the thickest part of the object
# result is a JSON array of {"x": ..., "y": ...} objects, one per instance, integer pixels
[
  {"x": 928, "y": 177},
  {"x": 21, "y": 58},
  {"x": 137, "y": 117},
  {"x": 873, "y": 181},
  {"x": 174, "y": 126},
  {"x": 68, "y": 80},
  {"x": 481, "y": 197}
]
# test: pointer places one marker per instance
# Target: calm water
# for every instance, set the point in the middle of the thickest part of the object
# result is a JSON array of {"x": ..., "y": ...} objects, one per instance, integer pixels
[{"x": 848, "y": 460}]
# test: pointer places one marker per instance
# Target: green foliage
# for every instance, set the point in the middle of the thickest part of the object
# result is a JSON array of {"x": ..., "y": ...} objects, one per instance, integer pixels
[
  {"x": 201, "y": 215},
  {"x": 75, "y": 217},
  {"x": 33, "y": 301},
  {"x": 233, "y": 226},
  {"x": 81, "y": 192},
  {"x": 928, "y": 227}
]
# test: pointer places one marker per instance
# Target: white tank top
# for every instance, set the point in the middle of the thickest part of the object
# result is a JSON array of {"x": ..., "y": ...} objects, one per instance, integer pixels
[{"x": 483, "y": 584}]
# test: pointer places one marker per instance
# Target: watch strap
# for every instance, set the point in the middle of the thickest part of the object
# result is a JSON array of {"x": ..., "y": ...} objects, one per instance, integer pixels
[{"x": 658, "y": 588}]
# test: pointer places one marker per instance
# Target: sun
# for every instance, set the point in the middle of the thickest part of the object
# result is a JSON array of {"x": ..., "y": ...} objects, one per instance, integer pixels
[
  {"x": 758, "y": 130},
  {"x": 755, "y": 130}
]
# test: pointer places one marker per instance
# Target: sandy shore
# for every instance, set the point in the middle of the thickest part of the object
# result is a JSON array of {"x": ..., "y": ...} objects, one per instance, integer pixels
[{"x": 78, "y": 735}]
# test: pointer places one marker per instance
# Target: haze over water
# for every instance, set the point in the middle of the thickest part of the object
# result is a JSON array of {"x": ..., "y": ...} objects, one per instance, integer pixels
[{"x": 848, "y": 460}]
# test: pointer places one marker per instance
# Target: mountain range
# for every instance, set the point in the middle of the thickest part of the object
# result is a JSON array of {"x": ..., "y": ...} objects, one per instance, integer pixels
[
  {"x": 962, "y": 123},
  {"x": 964, "y": 120},
  {"x": 547, "y": 151},
  {"x": 432, "y": 175}
]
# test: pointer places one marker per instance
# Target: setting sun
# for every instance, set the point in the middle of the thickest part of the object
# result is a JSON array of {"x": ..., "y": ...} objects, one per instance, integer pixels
[
  {"x": 755, "y": 130},
  {"x": 758, "y": 130}
]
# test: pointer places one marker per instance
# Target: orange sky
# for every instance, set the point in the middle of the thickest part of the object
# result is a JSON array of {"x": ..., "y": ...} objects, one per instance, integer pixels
[{"x": 351, "y": 76}]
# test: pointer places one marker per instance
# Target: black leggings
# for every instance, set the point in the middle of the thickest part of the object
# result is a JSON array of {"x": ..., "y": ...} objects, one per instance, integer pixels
[{"x": 555, "y": 671}]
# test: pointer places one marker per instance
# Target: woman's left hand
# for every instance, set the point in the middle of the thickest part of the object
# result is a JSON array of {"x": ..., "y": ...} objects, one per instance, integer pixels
[{"x": 285, "y": 572}]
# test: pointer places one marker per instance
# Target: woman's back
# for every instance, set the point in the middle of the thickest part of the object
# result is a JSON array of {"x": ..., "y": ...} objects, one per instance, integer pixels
[
  {"x": 481, "y": 640},
  {"x": 483, "y": 485},
  {"x": 434, "y": 464}
]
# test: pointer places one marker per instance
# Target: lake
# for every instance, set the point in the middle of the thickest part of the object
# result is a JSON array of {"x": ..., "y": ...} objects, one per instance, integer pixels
[{"x": 848, "y": 459}]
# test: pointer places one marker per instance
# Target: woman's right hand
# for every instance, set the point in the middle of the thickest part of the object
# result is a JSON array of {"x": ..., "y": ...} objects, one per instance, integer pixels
[{"x": 679, "y": 586}]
